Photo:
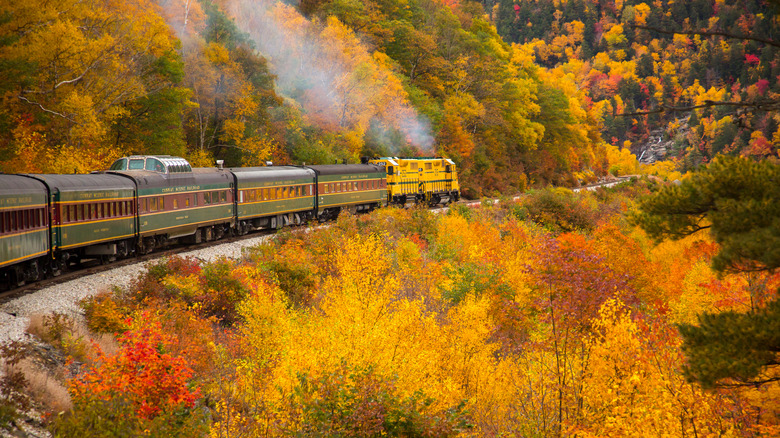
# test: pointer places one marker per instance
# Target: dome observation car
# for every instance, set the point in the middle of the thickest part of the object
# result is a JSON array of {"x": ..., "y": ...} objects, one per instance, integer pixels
[{"x": 152, "y": 163}]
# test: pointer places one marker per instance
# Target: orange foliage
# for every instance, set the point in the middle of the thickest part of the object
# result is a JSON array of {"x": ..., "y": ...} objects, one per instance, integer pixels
[{"x": 152, "y": 381}]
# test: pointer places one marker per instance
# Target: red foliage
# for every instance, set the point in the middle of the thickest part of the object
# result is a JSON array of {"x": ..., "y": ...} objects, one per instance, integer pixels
[
  {"x": 153, "y": 381},
  {"x": 752, "y": 59},
  {"x": 762, "y": 87}
]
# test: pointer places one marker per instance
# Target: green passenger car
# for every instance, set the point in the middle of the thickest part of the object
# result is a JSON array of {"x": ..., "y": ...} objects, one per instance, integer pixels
[
  {"x": 24, "y": 229},
  {"x": 351, "y": 187},
  {"x": 274, "y": 196},
  {"x": 91, "y": 215}
]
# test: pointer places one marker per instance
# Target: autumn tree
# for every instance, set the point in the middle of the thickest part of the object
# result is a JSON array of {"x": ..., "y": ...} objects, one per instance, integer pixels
[
  {"x": 736, "y": 199},
  {"x": 99, "y": 79}
]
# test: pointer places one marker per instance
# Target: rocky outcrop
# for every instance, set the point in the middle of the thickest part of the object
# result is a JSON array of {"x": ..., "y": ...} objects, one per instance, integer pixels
[{"x": 659, "y": 143}]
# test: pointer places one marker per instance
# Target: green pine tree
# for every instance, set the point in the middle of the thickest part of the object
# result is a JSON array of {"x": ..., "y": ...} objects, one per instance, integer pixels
[{"x": 738, "y": 201}]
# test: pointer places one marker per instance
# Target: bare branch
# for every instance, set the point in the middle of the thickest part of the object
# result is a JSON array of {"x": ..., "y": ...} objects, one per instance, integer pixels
[
  {"x": 764, "y": 105},
  {"x": 708, "y": 33},
  {"x": 20, "y": 97}
]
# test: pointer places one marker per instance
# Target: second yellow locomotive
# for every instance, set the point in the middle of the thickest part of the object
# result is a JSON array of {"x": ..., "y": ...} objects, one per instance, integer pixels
[{"x": 420, "y": 180}]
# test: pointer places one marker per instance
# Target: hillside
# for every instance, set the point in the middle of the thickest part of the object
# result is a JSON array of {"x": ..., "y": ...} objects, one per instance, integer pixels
[
  {"x": 724, "y": 62},
  {"x": 86, "y": 81}
]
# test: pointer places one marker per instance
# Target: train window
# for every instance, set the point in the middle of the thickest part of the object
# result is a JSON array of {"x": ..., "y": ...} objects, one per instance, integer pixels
[
  {"x": 154, "y": 165},
  {"x": 175, "y": 204},
  {"x": 41, "y": 221},
  {"x": 153, "y": 204},
  {"x": 214, "y": 197},
  {"x": 120, "y": 164},
  {"x": 390, "y": 170},
  {"x": 195, "y": 200},
  {"x": 65, "y": 214},
  {"x": 428, "y": 166},
  {"x": 223, "y": 196},
  {"x": 162, "y": 203},
  {"x": 354, "y": 186},
  {"x": 327, "y": 186},
  {"x": 98, "y": 211},
  {"x": 206, "y": 198},
  {"x": 186, "y": 201},
  {"x": 136, "y": 164}
]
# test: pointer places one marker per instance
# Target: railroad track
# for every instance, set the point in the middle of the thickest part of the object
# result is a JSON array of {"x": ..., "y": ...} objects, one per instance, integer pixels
[{"x": 92, "y": 266}]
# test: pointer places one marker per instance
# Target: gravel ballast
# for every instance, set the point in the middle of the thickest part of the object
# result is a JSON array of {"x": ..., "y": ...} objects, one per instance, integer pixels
[{"x": 64, "y": 298}]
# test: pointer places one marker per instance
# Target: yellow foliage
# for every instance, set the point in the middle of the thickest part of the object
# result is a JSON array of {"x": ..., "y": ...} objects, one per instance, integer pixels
[
  {"x": 633, "y": 388},
  {"x": 614, "y": 35},
  {"x": 621, "y": 161}
]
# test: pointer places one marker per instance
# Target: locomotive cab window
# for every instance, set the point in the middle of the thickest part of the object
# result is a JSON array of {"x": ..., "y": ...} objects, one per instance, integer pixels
[{"x": 136, "y": 164}]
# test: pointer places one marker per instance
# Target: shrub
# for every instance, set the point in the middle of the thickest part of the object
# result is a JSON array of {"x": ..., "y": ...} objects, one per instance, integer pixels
[
  {"x": 13, "y": 384},
  {"x": 139, "y": 391},
  {"x": 62, "y": 332},
  {"x": 352, "y": 402},
  {"x": 559, "y": 210},
  {"x": 223, "y": 292},
  {"x": 103, "y": 314}
]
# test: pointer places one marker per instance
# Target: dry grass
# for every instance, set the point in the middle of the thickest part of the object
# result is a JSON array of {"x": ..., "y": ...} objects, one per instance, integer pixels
[
  {"x": 71, "y": 336},
  {"x": 45, "y": 388},
  {"x": 36, "y": 326}
]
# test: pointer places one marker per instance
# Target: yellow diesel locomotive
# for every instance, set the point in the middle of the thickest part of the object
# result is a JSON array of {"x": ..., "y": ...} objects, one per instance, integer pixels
[{"x": 420, "y": 180}]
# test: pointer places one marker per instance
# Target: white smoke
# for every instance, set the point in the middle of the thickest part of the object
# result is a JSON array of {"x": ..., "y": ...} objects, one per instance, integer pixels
[{"x": 307, "y": 70}]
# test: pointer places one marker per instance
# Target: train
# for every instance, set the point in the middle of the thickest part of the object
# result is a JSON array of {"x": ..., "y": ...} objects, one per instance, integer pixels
[{"x": 49, "y": 223}]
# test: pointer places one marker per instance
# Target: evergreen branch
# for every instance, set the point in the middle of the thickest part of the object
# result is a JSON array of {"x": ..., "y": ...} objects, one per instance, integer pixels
[{"x": 708, "y": 33}]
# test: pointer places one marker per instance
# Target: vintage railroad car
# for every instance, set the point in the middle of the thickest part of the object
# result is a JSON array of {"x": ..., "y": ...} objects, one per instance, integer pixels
[
  {"x": 272, "y": 197},
  {"x": 92, "y": 216},
  {"x": 420, "y": 180},
  {"x": 24, "y": 229},
  {"x": 176, "y": 201},
  {"x": 352, "y": 187},
  {"x": 143, "y": 202}
]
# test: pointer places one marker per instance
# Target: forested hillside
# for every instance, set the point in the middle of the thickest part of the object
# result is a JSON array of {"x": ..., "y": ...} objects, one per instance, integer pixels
[
  {"x": 724, "y": 62},
  {"x": 86, "y": 81},
  {"x": 516, "y": 92}
]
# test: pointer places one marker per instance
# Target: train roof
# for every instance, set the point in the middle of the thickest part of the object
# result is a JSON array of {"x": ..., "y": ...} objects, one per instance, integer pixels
[
  {"x": 345, "y": 169},
  {"x": 204, "y": 175},
  {"x": 271, "y": 172},
  {"x": 92, "y": 181},
  {"x": 20, "y": 184}
]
